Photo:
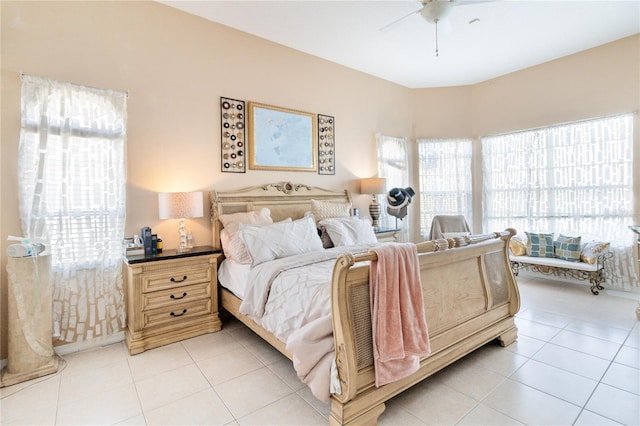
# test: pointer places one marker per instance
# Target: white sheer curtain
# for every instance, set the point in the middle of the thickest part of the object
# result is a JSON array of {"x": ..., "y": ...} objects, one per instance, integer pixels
[
  {"x": 445, "y": 179},
  {"x": 393, "y": 164},
  {"x": 71, "y": 169},
  {"x": 574, "y": 179}
]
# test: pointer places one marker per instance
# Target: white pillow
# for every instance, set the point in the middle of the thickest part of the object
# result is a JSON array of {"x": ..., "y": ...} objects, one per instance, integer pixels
[
  {"x": 349, "y": 231},
  {"x": 234, "y": 248},
  {"x": 282, "y": 239},
  {"x": 231, "y": 222}
]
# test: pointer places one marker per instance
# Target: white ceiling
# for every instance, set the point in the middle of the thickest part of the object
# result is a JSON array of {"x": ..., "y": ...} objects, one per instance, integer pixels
[{"x": 509, "y": 36}]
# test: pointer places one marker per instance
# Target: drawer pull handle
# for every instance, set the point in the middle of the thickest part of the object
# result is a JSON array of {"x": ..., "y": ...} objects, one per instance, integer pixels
[
  {"x": 178, "y": 298},
  {"x": 173, "y": 280},
  {"x": 173, "y": 314}
]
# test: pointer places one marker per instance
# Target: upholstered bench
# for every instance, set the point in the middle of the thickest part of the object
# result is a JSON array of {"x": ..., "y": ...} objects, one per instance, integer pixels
[
  {"x": 559, "y": 267},
  {"x": 570, "y": 257}
]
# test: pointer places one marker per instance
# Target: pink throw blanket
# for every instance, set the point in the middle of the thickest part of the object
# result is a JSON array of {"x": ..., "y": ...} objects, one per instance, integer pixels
[{"x": 400, "y": 334}]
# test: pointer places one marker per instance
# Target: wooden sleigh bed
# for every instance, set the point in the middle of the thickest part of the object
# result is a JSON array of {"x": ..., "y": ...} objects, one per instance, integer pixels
[{"x": 470, "y": 299}]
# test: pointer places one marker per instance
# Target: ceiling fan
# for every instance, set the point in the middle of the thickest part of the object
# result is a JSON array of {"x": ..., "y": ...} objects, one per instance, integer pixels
[{"x": 435, "y": 12}]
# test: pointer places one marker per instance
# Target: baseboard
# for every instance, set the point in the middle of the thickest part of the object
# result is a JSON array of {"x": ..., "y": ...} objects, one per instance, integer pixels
[
  {"x": 89, "y": 344},
  {"x": 81, "y": 346}
]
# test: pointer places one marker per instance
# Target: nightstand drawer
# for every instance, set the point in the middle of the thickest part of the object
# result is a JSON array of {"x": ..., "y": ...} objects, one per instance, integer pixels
[
  {"x": 178, "y": 313},
  {"x": 176, "y": 277},
  {"x": 175, "y": 296}
]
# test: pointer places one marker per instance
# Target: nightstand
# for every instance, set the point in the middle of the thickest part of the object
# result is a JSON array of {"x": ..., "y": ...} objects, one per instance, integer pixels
[
  {"x": 386, "y": 235},
  {"x": 170, "y": 297}
]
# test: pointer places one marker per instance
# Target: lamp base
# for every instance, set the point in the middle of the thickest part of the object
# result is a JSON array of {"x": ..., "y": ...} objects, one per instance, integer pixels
[
  {"x": 183, "y": 247},
  {"x": 374, "y": 212}
]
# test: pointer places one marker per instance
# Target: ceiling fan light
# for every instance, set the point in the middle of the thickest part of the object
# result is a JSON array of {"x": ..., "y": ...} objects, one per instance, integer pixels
[{"x": 436, "y": 10}]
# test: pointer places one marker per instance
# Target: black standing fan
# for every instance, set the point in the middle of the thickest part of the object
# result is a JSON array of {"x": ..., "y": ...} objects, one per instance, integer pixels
[{"x": 397, "y": 201}]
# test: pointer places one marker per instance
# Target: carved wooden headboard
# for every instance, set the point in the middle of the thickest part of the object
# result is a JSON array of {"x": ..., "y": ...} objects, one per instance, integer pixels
[{"x": 284, "y": 199}]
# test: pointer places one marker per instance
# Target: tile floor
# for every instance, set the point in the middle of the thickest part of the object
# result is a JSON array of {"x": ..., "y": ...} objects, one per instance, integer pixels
[{"x": 576, "y": 361}]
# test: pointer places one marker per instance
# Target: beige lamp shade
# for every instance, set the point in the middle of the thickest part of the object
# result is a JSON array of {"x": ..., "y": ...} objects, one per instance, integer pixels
[
  {"x": 373, "y": 185},
  {"x": 180, "y": 205}
]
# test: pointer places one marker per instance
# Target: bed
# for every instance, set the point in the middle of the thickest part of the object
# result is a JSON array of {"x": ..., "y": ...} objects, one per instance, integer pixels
[{"x": 469, "y": 292}]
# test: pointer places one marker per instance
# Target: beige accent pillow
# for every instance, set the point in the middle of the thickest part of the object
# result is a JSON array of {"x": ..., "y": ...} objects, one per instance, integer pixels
[
  {"x": 517, "y": 246},
  {"x": 591, "y": 250},
  {"x": 328, "y": 209}
]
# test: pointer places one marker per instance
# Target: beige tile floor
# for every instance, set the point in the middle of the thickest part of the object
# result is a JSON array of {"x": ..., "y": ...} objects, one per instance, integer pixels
[{"x": 576, "y": 362}]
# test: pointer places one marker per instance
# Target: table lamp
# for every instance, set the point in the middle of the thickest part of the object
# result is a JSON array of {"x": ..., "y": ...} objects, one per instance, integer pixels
[
  {"x": 373, "y": 186},
  {"x": 180, "y": 205}
]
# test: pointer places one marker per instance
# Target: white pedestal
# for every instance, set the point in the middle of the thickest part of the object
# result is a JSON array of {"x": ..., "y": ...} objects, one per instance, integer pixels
[{"x": 30, "y": 349}]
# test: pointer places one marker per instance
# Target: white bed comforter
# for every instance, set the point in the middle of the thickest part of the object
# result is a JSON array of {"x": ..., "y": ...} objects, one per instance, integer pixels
[{"x": 287, "y": 294}]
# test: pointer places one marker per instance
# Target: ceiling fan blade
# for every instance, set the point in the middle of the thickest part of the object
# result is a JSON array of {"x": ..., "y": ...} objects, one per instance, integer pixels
[{"x": 388, "y": 26}]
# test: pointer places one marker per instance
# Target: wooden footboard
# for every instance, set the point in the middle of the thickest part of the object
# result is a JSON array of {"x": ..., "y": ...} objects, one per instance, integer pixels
[{"x": 470, "y": 298}]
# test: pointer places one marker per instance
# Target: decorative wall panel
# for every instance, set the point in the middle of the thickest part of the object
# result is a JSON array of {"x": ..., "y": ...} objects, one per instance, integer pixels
[
  {"x": 326, "y": 145},
  {"x": 233, "y": 135}
]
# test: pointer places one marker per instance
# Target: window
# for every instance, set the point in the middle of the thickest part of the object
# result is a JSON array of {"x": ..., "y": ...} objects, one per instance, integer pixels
[
  {"x": 72, "y": 178},
  {"x": 445, "y": 179},
  {"x": 393, "y": 165},
  {"x": 574, "y": 179}
]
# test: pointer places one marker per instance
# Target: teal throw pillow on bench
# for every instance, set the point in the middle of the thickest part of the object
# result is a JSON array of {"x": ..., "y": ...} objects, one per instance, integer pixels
[
  {"x": 539, "y": 245},
  {"x": 568, "y": 248}
]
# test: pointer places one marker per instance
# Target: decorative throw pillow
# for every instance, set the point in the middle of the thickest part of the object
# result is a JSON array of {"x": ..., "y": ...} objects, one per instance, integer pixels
[
  {"x": 591, "y": 251},
  {"x": 567, "y": 248},
  {"x": 282, "y": 239},
  {"x": 517, "y": 246},
  {"x": 326, "y": 209},
  {"x": 324, "y": 237},
  {"x": 539, "y": 245},
  {"x": 349, "y": 231}
]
